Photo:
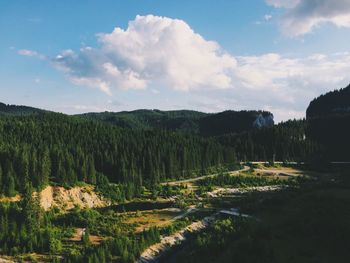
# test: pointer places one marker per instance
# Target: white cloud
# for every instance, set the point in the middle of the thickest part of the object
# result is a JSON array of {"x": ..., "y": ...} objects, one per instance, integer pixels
[
  {"x": 285, "y": 113},
  {"x": 30, "y": 53},
  {"x": 283, "y": 3},
  {"x": 288, "y": 83},
  {"x": 287, "y": 76},
  {"x": 302, "y": 17},
  {"x": 80, "y": 108},
  {"x": 151, "y": 50},
  {"x": 267, "y": 17},
  {"x": 27, "y": 52},
  {"x": 284, "y": 85}
]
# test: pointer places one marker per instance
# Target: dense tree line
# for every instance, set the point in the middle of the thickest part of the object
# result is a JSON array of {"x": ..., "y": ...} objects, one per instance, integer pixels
[
  {"x": 332, "y": 132},
  {"x": 241, "y": 181},
  {"x": 55, "y": 147},
  {"x": 193, "y": 122},
  {"x": 286, "y": 141},
  {"x": 24, "y": 227},
  {"x": 334, "y": 102},
  {"x": 126, "y": 249},
  {"x": 328, "y": 118},
  {"x": 6, "y": 109}
]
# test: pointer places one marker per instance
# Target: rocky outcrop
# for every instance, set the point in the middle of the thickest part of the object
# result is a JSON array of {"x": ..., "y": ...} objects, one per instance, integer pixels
[
  {"x": 263, "y": 121},
  {"x": 62, "y": 198},
  {"x": 66, "y": 199}
]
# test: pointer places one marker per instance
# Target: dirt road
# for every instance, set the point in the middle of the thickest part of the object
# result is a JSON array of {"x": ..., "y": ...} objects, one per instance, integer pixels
[
  {"x": 154, "y": 252},
  {"x": 191, "y": 180}
]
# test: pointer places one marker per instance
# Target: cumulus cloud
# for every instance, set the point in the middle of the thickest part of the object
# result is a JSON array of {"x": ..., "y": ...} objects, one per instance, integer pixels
[
  {"x": 302, "y": 17},
  {"x": 292, "y": 80},
  {"x": 274, "y": 71},
  {"x": 285, "y": 85},
  {"x": 151, "y": 49}
]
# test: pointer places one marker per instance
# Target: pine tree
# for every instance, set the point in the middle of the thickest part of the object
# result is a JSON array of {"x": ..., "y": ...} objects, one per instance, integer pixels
[
  {"x": 86, "y": 238},
  {"x": 1, "y": 180},
  {"x": 10, "y": 184},
  {"x": 91, "y": 171},
  {"x": 45, "y": 169},
  {"x": 31, "y": 210}
]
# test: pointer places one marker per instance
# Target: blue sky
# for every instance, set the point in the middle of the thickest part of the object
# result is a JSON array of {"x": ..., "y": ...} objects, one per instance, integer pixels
[{"x": 205, "y": 55}]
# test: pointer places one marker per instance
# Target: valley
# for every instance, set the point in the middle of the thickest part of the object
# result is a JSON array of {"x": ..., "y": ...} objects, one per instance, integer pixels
[
  {"x": 175, "y": 131},
  {"x": 90, "y": 189},
  {"x": 192, "y": 207}
]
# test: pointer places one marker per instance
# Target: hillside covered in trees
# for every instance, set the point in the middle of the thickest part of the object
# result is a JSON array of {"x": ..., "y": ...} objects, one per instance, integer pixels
[
  {"x": 328, "y": 118},
  {"x": 6, "y": 109},
  {"x": 331, "y": 103},
  {"x": 125, "y": 155},
  {"x": 285, "y": 141},
  {"x": 194, "y": 122},
  {"x": 63, "y": 149},
  {"x": 146, "y": 147},
  {"x": 153, "y": 146},
  {"x": 150, "y": 146}
]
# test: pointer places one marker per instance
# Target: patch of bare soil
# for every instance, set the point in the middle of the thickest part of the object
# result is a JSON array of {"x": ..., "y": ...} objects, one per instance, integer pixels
[
  {"x": 79, "y": 232},
  {"x": 147, "y": 219},
  {"x": 96, "y": 240},
  {"x": 66, "y": 199},
  {"x": 2, "y": 260},
  {"x": 15, "y": 198},
  {"x": 84, "y": 197},
  {"x": 78, "y": 235}
]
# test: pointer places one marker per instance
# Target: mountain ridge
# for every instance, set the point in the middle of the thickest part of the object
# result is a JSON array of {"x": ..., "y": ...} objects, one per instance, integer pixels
[
  {"x": 188, "y": 121},
  {"x": 206, "y": 124},
  {"x": 11, "y": 109}
]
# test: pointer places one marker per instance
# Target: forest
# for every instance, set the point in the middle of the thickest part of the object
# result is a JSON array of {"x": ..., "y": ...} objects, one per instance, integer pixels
[
  {"x": 129, "y": 155},
  {"x": 186, "y": 121},
  {"x": 285, "y": 141},
  {"x": 328, "y": 118},
  {"x": 63, "y": 149},
  {"x": 41, "y": 147}
]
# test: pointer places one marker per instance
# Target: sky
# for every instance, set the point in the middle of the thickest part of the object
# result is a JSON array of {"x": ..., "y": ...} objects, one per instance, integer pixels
[{"x": 114, "y": 55}]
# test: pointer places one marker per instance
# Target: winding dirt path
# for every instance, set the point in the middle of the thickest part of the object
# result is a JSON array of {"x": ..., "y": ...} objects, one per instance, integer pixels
[
  {"x": 154, "y": 252},
  {"x": 191, "y": 180}
]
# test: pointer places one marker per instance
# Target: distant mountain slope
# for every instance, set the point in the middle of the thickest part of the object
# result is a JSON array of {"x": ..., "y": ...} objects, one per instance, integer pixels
[
  {"x": 328, "y": 119},
  {"x": 234, "y": 122},
  {"x": 147, "y": 119},
  {"x": 6, "y": 109},
  {"x": 284, "y": 142},
  {"x": 334, "y": 102},
  {"x": 206, "y": 124}
]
